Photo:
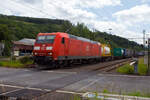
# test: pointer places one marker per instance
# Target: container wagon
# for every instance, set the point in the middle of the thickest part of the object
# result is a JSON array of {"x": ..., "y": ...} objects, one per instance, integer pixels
[
  {"x": 106, "y": 52},
  {"x": 118, "y": 53}
]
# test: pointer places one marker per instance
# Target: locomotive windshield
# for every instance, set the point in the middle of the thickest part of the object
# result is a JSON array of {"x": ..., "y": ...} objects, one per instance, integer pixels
[{"x": 45, "y": 39}]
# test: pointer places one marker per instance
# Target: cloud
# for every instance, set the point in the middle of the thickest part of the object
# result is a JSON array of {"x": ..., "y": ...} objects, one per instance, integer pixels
[
  {"x": 118, "y": 29},
  {"x": 31, "y": 1},
  {"x": 143, "y": 1},
  {"x": 10, "y": 7},
  {"x": 98, "y": 3},
  {"x": 135, "y": 20},
  {"x": 67, "y": 10},
  {"x": 137, "y": 14},
  {"x": 58, "y": 8},
  {"x": 76, "y": 11}
]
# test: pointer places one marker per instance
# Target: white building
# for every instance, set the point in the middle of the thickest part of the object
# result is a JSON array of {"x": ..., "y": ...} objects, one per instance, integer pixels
[{"x": 23, "y": 47}]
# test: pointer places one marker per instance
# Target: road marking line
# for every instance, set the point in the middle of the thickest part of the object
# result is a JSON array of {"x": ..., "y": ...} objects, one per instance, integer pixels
[
  {"x": 93, "y": 82},
  {"x": 70, "y": 92},
  {"x": 124, "y": 76},
  {"x": 10, "y": 91},
  {"x": 4, "y": 85},
  {"x": 48, "y": 71},
  {"x": 38, "y": 89},
  {"x": 48, "y": 90},
  {"x": 20, "y": 87},
  {"x": 61, "y": 72},
  {"x": 25, "y": 70}
]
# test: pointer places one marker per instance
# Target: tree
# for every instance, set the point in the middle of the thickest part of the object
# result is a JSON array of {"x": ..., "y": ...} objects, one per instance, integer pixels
[
  {"x": 14, "y": 28},
  {"x": 4, "y": 33}
]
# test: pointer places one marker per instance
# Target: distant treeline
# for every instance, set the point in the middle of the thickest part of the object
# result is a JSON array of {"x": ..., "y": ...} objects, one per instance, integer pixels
[{"x": 14, "y": 28}]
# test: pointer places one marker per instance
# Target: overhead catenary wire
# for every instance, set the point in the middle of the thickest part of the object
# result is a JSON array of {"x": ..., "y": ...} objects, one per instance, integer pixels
[
  {"x": 38, "y": 10},
  {"x": 35, "y": 9},
  {"x": 100, "y": 15},
  {"x": 45, "y": 13}
]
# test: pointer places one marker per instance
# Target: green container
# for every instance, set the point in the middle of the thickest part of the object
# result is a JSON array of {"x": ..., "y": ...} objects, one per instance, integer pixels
[{"x": 118, "y": 52}]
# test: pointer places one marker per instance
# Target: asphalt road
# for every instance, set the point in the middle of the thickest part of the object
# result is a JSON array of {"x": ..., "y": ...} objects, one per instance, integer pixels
[{"x": 32, "y": 82}]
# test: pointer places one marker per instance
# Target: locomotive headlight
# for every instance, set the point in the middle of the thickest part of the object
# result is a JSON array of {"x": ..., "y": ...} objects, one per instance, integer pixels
[
  {"x": 49, "y": 48},
  {"x": 36, "y": 48},
  {"x": 50, "y": 54}
]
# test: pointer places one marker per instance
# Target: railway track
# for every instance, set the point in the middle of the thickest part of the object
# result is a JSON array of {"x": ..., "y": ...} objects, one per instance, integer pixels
[
  {"x": 37, "y": 91},
  {"x": 100, "y": 67},
  {"x": 113, "y": 65}
]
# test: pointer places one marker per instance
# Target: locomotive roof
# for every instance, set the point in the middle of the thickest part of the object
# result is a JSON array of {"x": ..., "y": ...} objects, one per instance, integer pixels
[
  {"x": 73, "y": 36},
  {"x": 83, "y": 39}
]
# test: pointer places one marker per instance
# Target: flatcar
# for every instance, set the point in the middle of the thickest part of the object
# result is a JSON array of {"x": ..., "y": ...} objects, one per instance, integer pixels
[{"x": 62, "y": 48}]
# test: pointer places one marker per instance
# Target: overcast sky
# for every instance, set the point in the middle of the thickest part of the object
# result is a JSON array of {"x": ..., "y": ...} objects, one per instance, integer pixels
[{"x": 126, "y": 18}]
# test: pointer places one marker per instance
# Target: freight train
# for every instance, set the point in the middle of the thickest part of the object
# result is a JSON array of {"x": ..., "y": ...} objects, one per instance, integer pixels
[{"x": 62, "y": 48}]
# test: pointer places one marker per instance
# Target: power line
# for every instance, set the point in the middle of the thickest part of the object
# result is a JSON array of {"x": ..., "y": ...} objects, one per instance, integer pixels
[
  {"x": 135, "y": 38},
  {"x": 35, "y": 9}
]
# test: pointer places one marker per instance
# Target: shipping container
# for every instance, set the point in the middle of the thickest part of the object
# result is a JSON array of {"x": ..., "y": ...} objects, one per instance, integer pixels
[{"x": 118, "y": 52}]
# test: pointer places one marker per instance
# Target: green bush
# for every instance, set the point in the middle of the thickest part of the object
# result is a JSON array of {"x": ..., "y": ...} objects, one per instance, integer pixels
[
  {"x": 21, "y": 63},
  {"x": 26, "y": 60},
  {"x": 126, "y": 69},
  {"x": 1, "y": 64}
]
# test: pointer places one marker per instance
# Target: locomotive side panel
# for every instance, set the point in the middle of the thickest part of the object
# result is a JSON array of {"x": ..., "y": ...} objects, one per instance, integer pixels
[
  {"x": 96, "y": 50},
  {"x": 75, "y": 48}
]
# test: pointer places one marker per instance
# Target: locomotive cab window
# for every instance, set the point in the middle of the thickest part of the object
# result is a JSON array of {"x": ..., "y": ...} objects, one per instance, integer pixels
[
  {"x": 46, "y": 39},
  {"x": 63, "y": 40}
]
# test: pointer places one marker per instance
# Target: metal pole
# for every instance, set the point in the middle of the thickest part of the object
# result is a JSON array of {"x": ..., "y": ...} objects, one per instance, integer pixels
[
  {"x": 144, "y": 41},
  {"x": 148, "y": 72},
  {"x": 144, "y": 37},
  {"x": 110, "y": 30}
]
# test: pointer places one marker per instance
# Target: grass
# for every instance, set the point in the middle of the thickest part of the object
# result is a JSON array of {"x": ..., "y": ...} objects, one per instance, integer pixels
[
  {"x": 14, "y": 64},
  {"x": 139, "y": 94},
  {"x": 128, "y": 69},
  {"x": 21, "y": 63},
  {"x": 136, "y": 93},
  {"x": 105, "y": 91},
  {"x": 142, "y": 67}
]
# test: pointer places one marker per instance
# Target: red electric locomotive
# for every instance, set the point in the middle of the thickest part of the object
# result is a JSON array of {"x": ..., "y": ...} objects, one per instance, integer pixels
[{"x": 62, "y": 48}]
